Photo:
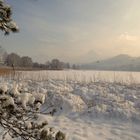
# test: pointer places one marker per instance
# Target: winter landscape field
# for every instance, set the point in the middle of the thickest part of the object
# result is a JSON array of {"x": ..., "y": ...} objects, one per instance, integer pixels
[
  {"x": 86, "y": 105},
  {"x": 69, "y": 70}
]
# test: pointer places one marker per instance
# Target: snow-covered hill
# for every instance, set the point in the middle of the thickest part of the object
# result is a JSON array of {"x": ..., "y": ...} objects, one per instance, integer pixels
[{"x": 120, "y": 62}]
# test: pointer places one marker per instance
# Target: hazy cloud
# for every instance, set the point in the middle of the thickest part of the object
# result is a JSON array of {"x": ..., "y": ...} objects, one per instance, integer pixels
[{"x": 75, "y": 30}]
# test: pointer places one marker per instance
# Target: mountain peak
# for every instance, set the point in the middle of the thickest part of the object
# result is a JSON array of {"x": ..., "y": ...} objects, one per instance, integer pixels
[{"x": 119, "y": 62}]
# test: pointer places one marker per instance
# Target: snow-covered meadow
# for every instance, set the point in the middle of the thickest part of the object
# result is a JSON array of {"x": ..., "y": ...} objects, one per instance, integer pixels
[{"x": 86, "y": 105}]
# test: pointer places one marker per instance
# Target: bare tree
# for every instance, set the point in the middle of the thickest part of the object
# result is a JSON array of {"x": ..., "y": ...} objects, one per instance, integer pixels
[
  {"x": 56, "y": 64},
  {"x": 13, "y": 59},
  {"x": 26, "y": 61},
  {"x": 3, "y": 55}
]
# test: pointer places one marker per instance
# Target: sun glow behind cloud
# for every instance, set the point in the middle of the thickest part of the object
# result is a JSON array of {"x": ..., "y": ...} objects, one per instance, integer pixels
[{"x": 126, "y": 37}]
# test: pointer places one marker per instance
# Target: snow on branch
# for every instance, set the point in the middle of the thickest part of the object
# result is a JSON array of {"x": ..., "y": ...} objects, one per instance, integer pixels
[
  {"x": 19, "y": 114},
  {"x": 6, "y": 23}
]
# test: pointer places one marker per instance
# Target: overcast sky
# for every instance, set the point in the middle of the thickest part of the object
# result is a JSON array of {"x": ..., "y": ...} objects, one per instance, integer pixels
[{"x": 74, "y": 30}]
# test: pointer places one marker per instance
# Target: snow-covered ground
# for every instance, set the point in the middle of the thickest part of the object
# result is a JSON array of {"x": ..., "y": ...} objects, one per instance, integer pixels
[{"x": 87, "y": 105}]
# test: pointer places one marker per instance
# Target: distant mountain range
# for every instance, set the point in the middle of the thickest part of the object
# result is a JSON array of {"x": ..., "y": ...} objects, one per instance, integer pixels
[{"x": 121, "y": 62}]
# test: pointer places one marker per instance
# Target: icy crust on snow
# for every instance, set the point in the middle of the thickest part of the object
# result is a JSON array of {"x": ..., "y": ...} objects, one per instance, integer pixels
[
  {"x": 96, "y": 100},
  {"x": 110, "y": 101},
  {"x": 65, "y": 103},
  {"x": 105, "y": 100},
  {"x": 83, "y": 110}
]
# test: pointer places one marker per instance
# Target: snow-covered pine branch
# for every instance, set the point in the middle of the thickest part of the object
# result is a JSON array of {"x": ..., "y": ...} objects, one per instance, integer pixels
[
  {"x": 6, "y": 23},
  {"x": 19, "y": 114}
]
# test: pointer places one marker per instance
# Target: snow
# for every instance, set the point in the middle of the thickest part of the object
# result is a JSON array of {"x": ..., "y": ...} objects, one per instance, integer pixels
[
  {"x": 85, "y": 108},
  {"x": 26, "y": 98},
  {"x": 8, "y": 101},
  {"x": 39, "y": 97},
  {"x": 28, "y": 125},
  {"x": 4, "y": 88},
  {"x": 14, "y": 90}
]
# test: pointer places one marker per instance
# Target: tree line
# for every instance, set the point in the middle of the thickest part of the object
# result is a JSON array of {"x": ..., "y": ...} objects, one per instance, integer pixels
[{"x": 16, "y": 60}]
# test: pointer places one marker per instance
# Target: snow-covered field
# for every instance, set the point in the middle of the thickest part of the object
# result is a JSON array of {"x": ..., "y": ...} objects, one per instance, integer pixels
[{"x": 87, "y": 105}]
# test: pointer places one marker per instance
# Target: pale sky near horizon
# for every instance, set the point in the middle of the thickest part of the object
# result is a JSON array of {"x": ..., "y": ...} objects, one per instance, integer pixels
[{"x": 74, "y": 30}]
